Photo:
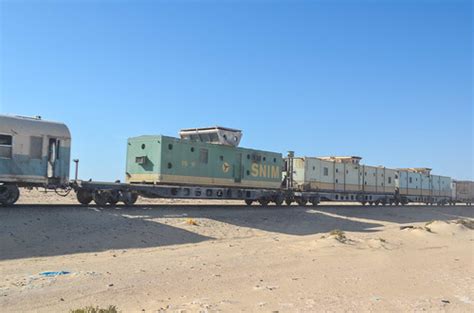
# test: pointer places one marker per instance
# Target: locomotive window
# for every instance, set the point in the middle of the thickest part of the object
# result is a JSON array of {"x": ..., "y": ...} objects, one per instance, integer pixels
[
  {"x": 411, "y": 180},
  {"x": 274, "y": 160},
  {"x": 221, "y": 158},
  {"x": 264, "y": 159},
  {"x": 203, "y": 156},
  {"x": 213, "y": 137},
  {"x": 337, "y": 170},
  {"x": 326, "y": 171},
  {"x": 36, "y": 147},
  {"x": 390, "y": 180},
  {"x": 256, "y": 158},
  {"x": 170, "y": 146},
  {"x": 6, "y": 146},
  {"x": 192, "y": 149}
]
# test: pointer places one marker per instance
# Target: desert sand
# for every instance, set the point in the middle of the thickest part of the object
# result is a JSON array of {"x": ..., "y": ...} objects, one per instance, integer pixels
[{"x": 197, "y": 256}]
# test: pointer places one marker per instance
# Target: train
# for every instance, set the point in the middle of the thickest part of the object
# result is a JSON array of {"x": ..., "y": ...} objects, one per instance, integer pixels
[{"x": 207, "y": 163}]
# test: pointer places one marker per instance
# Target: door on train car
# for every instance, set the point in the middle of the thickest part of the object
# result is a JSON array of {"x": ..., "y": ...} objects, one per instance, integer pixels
[
  {"x": 52, "y": 157},
  {"x": 238, "y": 168}
]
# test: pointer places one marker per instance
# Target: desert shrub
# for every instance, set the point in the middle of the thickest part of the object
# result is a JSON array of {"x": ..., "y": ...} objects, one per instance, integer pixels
[
  {"x": 339, "y": 235},
  {"x": 91, "y": 309}
]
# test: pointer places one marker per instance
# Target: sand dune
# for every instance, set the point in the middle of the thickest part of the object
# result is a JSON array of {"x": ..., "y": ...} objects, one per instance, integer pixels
[{"x": 212, "y": 257}]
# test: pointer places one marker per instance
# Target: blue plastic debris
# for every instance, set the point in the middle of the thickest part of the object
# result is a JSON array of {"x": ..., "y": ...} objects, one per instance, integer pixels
[{"x": 54, "y": 274}]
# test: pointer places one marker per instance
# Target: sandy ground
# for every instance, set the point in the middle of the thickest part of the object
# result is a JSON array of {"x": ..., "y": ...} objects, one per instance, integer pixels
[{"x": 175, "y": 257}]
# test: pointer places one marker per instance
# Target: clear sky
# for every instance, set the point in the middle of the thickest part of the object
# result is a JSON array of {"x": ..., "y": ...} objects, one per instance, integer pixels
[{"x": 390, "y": 81}]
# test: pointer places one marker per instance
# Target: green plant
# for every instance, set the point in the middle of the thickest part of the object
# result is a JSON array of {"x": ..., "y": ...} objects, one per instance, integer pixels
[{"x": 91, "y": 309}]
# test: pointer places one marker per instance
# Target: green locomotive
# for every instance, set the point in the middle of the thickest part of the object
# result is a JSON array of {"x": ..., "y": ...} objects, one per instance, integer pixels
[{"x": 202, "y": 156}]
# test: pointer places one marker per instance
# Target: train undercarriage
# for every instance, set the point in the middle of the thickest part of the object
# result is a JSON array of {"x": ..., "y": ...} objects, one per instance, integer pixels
[{"x": 112, "y": 193}]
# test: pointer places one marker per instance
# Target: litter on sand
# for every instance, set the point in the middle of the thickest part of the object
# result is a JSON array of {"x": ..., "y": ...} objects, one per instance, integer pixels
[{"x": 54, "y": 274}]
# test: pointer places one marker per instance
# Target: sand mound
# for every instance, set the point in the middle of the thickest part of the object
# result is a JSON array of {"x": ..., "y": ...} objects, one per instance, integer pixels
[
  {"x": 447, "y": 228},
  {"x": 441, "y": 227},
  {"x": 379, "y": 243},
  {"x": 338, "y": 238}
]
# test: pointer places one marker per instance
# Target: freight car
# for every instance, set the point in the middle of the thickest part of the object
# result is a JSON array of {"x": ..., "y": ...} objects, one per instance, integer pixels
[
  {"x": 463, "y": 191},
  {"x": 344, "y": 179},
  {"x": 419, "y": 185},
  {"x": 204, "y": 163},
  {"x": 33, "y": 153}
]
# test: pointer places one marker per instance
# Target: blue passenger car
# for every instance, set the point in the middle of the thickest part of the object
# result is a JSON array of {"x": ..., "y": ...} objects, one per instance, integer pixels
[{"x": 33, "y": 153}]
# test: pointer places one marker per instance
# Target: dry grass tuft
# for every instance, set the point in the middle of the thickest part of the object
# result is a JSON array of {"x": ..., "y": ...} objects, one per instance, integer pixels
[
  {"x": 339, "y": 235},
  {"x": 190, "y": 221},
  {"x": 91, "y": 309},
  {"x": 466, "y": 223}
]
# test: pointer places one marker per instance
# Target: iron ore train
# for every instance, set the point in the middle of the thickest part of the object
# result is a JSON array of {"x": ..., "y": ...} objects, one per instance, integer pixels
[{"x": 207, "y": 163}]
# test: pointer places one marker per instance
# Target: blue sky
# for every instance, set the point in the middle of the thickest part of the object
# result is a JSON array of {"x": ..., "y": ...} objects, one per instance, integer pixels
[{"x": 390, "y": 81}]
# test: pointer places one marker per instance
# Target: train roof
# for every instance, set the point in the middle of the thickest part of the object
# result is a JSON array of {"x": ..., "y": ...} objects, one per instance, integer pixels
[{"x": 22, "y": 125}]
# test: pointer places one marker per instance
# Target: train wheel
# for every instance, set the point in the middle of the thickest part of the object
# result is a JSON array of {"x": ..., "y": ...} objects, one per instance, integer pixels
[
  {"x": 301, "y": 201},
  {"x": 314, "y": 201},
  {"x": 279, "y": 201},
  {"x": 363, "y": 203},
  {"x": 129, "y": 198},
  {"x": 288, "y": 201},
  {"x": 263, "y": 202},
  {"x": 114, "y": 197},
  {"x": 84, "y": 196},
  {"x": 101, "y": 197},
  {"x": 9, "y": 194},
  {"x": 248, "y": 201}
]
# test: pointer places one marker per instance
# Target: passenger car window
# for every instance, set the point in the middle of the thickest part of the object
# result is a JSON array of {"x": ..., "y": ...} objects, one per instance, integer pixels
[
  {"x": 326, "y": 171},
  {"x": 36, "y": 147},
  {"x": 6, "y": 146}
]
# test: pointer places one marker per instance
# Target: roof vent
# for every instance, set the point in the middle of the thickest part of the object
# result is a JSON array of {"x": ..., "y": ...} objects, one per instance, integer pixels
[{"x": 216, "y": 135}]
